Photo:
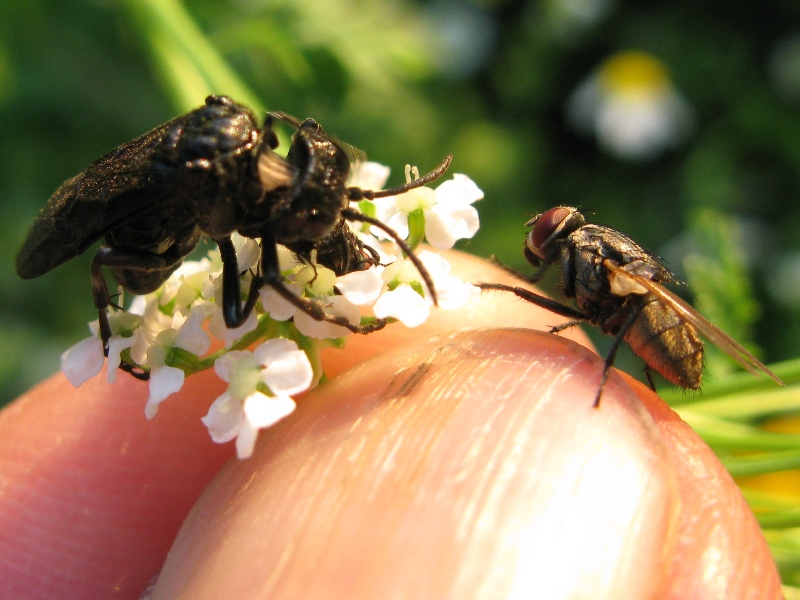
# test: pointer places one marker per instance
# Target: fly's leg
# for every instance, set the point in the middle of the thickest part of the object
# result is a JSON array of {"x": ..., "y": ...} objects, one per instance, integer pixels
[
  {"x": 649, "y": 374},
  {"x": 608, "y": 362},
  {"x": 567, "y": 325},
  {"x": 546, "y": 303},
  {"x": 577, "y": 318}
]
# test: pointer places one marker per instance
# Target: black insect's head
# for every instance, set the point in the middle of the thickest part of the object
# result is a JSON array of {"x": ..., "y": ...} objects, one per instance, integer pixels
[
  {"x": 312, "y": 206},
  {"x": 548, "y": 227}
]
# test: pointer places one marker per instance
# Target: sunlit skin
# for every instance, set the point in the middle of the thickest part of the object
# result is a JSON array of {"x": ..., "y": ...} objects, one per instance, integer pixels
[{"x": 461, "y": 459}]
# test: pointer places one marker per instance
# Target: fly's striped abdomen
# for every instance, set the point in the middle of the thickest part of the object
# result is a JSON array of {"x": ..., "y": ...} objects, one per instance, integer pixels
[{"x": 667, "y": 343}]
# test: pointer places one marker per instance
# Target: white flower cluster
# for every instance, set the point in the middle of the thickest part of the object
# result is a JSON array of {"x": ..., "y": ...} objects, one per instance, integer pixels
[{"x": 169, "y": 332}]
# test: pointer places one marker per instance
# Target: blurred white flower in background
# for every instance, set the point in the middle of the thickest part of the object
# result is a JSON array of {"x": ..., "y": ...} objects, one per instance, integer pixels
[
  {"x": 784, "y": 68},
  {"x": 567, "y": 19},
  {"x": 630, "y": 105}
]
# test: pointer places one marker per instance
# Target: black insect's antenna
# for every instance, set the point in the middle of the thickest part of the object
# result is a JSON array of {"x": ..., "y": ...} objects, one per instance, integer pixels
[
  {"x": 352, "y": 214},
  {"x": 355, "y": 193},
  {"x": 353, "y": 154},
  {"x": 285, "y": 117}
]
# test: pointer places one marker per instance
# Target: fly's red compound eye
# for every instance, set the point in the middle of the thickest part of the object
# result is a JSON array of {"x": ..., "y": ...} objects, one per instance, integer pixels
[{"x": 546, "y": 224}]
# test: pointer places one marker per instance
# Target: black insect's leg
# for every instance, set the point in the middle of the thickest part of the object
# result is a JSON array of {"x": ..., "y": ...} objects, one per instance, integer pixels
[
  {"x": 546, "y": 303},
  {"x": 100, "y": 295},
  {"x": 271, "y": 276},
  {"x": 612, "y": 354},
  {"x": 233, "y": 312},
  {"x": 131, "y": 260},
  {"x": 353, "y": 215}
]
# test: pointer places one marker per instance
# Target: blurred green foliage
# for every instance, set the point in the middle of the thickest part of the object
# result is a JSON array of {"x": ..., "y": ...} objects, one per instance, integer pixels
[{"x": 409, "y": 82}]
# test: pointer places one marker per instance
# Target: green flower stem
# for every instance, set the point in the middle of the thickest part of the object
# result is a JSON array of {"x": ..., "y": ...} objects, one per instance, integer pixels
[
  {"x": 749, "y": 407},
  {"x": 368, "y": 208},
  {"x": 725, "y": 435},
  {"x": 182, "y": 359},
  {"x": 780, "y": 519},
  {"x": 416, "y": 228},
  {"x": 756, "y": 465}
]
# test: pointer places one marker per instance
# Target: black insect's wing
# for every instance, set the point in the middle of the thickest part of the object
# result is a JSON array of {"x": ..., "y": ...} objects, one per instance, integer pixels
[
  {"x": 354, "y": 155},
  {"x": 710, "y": 331},
  {"x": 127, "y": 181}
]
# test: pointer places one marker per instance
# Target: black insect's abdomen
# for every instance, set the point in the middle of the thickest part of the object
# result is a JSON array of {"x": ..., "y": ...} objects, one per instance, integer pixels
[
  {"x": 161, "y": 239},
  {"x": 667, "y": 343}
]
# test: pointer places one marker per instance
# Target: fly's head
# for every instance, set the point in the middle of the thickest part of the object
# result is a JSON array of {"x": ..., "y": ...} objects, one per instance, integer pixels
[{"x": 548, "y": 228}]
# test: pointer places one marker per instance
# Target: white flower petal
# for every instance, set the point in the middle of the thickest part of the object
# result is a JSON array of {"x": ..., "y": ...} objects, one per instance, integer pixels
[
  {"x": 278, "y": 307},
  {"x": 454, "y": 293},
  {"x": 192, "y": 336},
  {"x": 164, "y": 381},
  {"x": 229, "y": 363},
  {"x": 404, "y": 304},
  {"x": 140, "y": 348},
  {"x": 83, "y": 361},
  {"x": 369, "y": 176},
  {"x": 220, "y": 331},
  {"x": 138, "y": 304},
  {"x": 436, "y": 264},
  {"x": 116, "y": 345},
  {"x": 335, "y": 305},
  {"x": 361, "y": 287},
  {"x": 247, "y": 252},
  {"x": 274, "y": 349},
  {"x": 262, "y": 411},
  {"x": 422, "y": 197},
  {"x": 246, "y": 440},
  {"x": 287, "y": 371},
  {"x": 224, "y": 418},
  {"x": 389, "y": 214},
  {"x": 444, "y": 224},
  {"x": 459, "y": 190}
]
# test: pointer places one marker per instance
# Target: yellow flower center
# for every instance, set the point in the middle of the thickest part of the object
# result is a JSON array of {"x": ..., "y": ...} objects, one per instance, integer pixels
[{"x": 634, "y": 74}]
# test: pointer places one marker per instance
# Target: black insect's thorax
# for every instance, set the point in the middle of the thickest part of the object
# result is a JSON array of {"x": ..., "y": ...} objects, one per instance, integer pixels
[{"x": 214, "y": 148}]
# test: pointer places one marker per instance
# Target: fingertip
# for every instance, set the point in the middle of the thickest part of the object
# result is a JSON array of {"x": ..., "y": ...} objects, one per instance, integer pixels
[
  {"x": 93, "y": 493},
  {"x": 475, "y": 461},
  {"x": 716, "y": 531}
]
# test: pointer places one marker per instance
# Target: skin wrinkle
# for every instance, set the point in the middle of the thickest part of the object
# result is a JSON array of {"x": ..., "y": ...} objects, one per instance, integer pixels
[{"x": 497, "y": 493}]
